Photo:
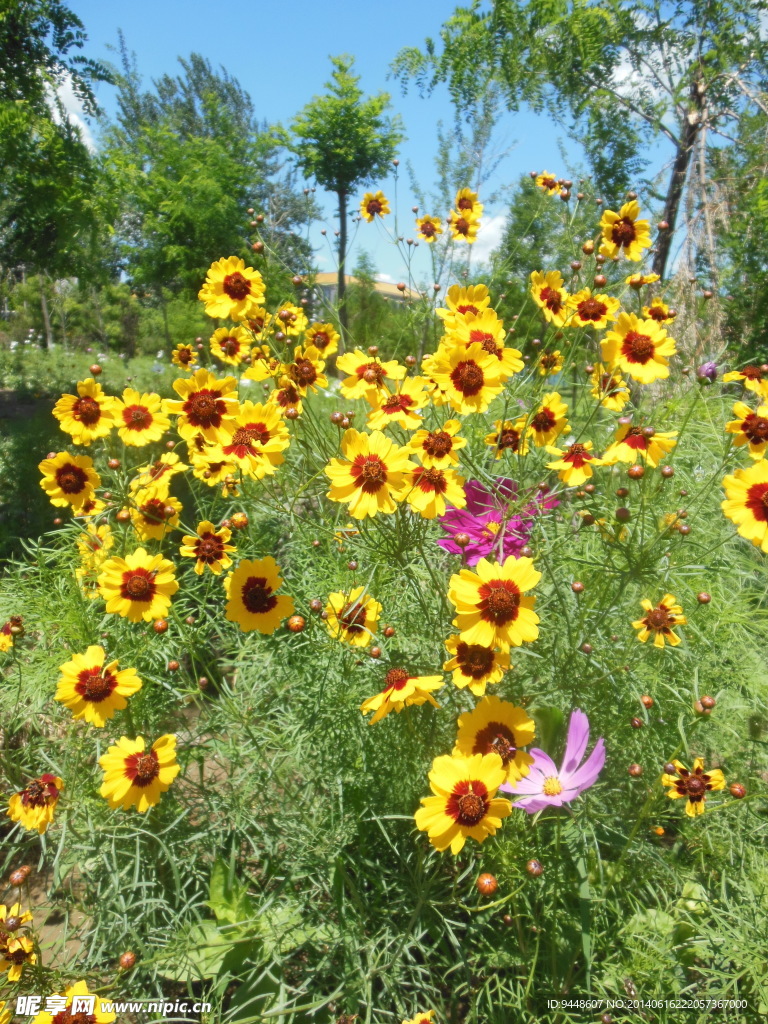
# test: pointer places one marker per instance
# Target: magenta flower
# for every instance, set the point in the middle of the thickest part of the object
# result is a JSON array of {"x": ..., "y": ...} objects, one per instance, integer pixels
[
  {"x": 494, "y": 530},
  {"x": 547, "y": 786}
]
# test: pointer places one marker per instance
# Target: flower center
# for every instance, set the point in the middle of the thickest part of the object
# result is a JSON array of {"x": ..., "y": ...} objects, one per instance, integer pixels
[
  {"x": 71, "y": 479},
  {"x": 95, "y": 685},
  {"x": 756, "y": 428},
  {"x": 659, "y": 619},
  {"x": 230, "y": 346},
  {"x": 638, "y": 348},
  {"x": 142, "y": 768},
  {"x": 236, "y": 286},
  {"x": 551, "y": 298},
  {"x": 352, "y": 617},
  {"x": 500, "y": 601},
  {"x": 543, "y": 421},
  {"x": 396, "y": 679},
  {"x": 431, "y": 480},
  {"x": 438, "y": 444},
  {"x": 137, "y": 585},
  {"x": 35, "y": 794},
  {"x": 468, "y": 378},
  {"x": 374, "y": 206},
  {"x": 465, "y": 204},
  {"x": 369, "y": 472},
  {"x": 474, "y": 659},
  {"x": 496, "y": 738},
  {"x": 757, "y": 501},
  {"x": 137, "y": 417},
  {"x": 87, "y": 410},
  {"x": 154, "y": 512},
  {"x": 427, "y": 229},
  {"x": 509, "y": 438},
  {"x": 657, "y": 313},
  {"x": 591, "y": 309},
  {"x": 204, "y": 408},
  {"x": 257, "y": 595},
  {"x": 609, "y": 385},
  {"x": 467, "y": 309},
  {"x": 695, "y": 785},
  {"x": 752, "y": 373},
  {"x": 461, "y": 224},
  {"x": 184, "y": 355},
  {"x": 577, "y": 455},
  {"x": 397, "y": 403},
  {"x": 371, "y": 373},
  {"x": 304, "y": 372},
  {"x": 623, "y": 232},
  {"x": 210, "y": 548},
  {"x": 552, "y": 786},
  {"x": 467, "y": 804},
  {"x": 548, "y": 183},
  {"x": 67, "y": 1017}
]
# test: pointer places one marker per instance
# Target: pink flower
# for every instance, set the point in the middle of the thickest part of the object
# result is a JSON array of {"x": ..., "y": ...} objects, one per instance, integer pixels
[
  {"x": 546, "y": 785},
  {"x": 495, "y": 526}
]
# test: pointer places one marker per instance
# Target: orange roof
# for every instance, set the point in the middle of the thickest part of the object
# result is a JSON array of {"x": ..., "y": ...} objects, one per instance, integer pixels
[{"x": 382, "y": 287}]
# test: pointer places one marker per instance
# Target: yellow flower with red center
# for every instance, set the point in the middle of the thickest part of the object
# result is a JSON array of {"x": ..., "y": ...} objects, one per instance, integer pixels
[
  {"x": 588, "y": 310},
  {"x": 659, "y": 621},
  {"x": 209, "y": 548},
  {"x": 548, "y": 183},
  {"x": 139, "y": 586},
  {"x": 231, "y": 345},
  {"x": 34, "y": 806},
  {"x": 352, "y": 618},
  {"x": 372, "y": 475},
  {"x": 437, "y": 448},
  {"x": 156, "y": 476},
  {"x": 465, "y": 803},
  {"x": 574, "y": 466},
  {"x": 549, "y": 364},
  {"x": 508, "y": 436},
  {"x": 252, "y": 601},
  {"x": 207, "y": 405},
  {"x": 264, "y": 366},
  {"x": 638, "y": 347},
  {"x": 754, "y": 378},
  {"x": 401, "y": 689},
  {"x": 473, "y": 298},
  {"x": 746, "y": 502},
  {"x": 374, "y": 204},
  {"x": 475, "y": 665},
  {"x": 549, "y": 421},
  {"x": 466, "y": 202},
  {"x": 259, "y": 322},
  {"x": 400, "y": 406},
  {"x": 623, "y": 232},
  {"x": 750, "y": 428},
  {"x": 212, "y": 468},
  {"x": 492, "y": 608},
  {"x": 140, "y": 418},
  {"x": 137, "y": 777},
  {"x": 14, "y": 916},
  {"x": 693, "y": 785},
  {"x": 464, "y": 226},
  {"x": 290, "y": 319},
  {"x": 286, "y": 397},
  {"x": 638, "y": 281},
  {"x": 550, "y": 296},
  {"x": 659, "y": 311},
  {"x": 496, "y": 726},
  {"x": 90, "y": 507},
  {"x": 323, "y": 337},
  {"x": 470, "y": 377},
  {"x": 88, "y": 415},
  {"x": 153, "y": 517},
  {"x": 486, "y": 330},
  {"x": 69, "y": 479},
  {"x": 94, "y": 544},
  {"x": 429, "y": 228},
  {"x": 92, "y": 690},
  {"x": 231, "y": 290},
  {"x": 425, "y": 1017},
  {"x": 609, "y": 387},
  {"x": 6, "y": 636},
  {"x": 254, "y": 440},
  {"x": 305, "y": 373},
  {"x": 633, "y": 442},
  {"x": 102, "y": 1011},
  {"x": 184, "y": 356},
  {"x": 428, "y": 490},
  {"x": 365, "y": 373},
  {"x": 15, "y": 954}
]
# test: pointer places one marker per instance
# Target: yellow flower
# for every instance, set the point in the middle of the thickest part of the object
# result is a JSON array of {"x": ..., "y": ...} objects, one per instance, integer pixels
[
  {"x": 609, "y": 388},
  {"x": 94, "y": 544},
  {"x": 101, "y": 1013},
  {"x": 548, "y": 182},
  {"x": 209, "y": 548},
  {"x": 550, "y": 296},
  {"x": 69, "y": 479},
  {"x": 430, "y": 488},
  {"x": 633, "y": 442},
  {"x": 467, "y": 204},
  {"x": 486, "y": 330},
  {"x": 365, "y": 374},
  {"x": 638, "y": 347},
  {"x": 374, "y": 204},
  {"x": 659, "y": 311},
  {"x": 623, "y": 231},
  {"x": 507, "y": 436},
  {"x": 92, "y": 690},
  {"x": 575, "y": 463},
  {"x": 34, "y": 806},
  {"x": 693, "y": 785},
  {"x": 496, "y": 726},
  {"x": 400, "y": 690},
  {"x": 184, "y": 356},
  {"x": 134, "y": 776},
  {"x": 491, "y": 606},
  {"x": 88, "y": 415},
  {"x": 231, "y": 290},
  {"x": 437, "y": 448},
  {"x": 140, "y": 418},
  {"x": 470, "y": 377},
  {"x": 550, "y": 363},
  {"x": 475, "y": 665},
  {"x": 588, "y": 310},
  {"x": 286, "y": 397},
  {"x": 306, "y": 371},
  {"x": 290, "y": 319},
  {"x": 352, "y": 618},
  {"x": 15, "y": 954},
  {"x": 139, "y": 586},
  {"x": 746, "y": 502},
  {"x": 254, "y": 441},
  {"x": 264, "y": 366},
  {"x": 459, "y": 300},
  {"x": 231, "y": 345},
  {"x": 18, "y": 918},
  {"x": 429, "y": 228},
  {"x": 465, "y": 803},
  {"x": 372, "y": 475},
  {"x": 639, "y": 280},
  {"x": 549, "y": 421},
  {"x": 153, "y": 517},
  {"x": 323, "y": 337},
  {"x": 156, "y": 476},
  {"x": 754, "y": 378},
  {"x": 750, "y": 428},
  {"x": 463, "y": 226},
  {"x": 659, "y": 621},
  {"x": 425, "y": 1017},
  {"x": 206, "y": 407},
  {"x": 251, "y": 599},
  {"x": 400, "y": 407}
]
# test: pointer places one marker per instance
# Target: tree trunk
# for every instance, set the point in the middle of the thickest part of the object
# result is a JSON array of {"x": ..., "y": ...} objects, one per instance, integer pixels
[
  {"x": 341, "y": 279},
  {"x": 689, "y": 132},
  {"x": 46, "y": 314}
]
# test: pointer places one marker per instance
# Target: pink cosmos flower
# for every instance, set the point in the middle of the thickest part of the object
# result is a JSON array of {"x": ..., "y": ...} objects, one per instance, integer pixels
[
  {"x": 494, "y": 530},
  {"x": 547, "y": 786}
]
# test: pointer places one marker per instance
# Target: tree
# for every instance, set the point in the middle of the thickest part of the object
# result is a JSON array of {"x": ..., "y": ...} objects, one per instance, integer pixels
[
  {"x": 345, "y": 141},
  {"x": 620, "y": 75}
]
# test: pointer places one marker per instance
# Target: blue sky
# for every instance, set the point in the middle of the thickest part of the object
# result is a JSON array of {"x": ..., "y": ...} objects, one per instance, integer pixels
[{"x": 279, "y": 53}]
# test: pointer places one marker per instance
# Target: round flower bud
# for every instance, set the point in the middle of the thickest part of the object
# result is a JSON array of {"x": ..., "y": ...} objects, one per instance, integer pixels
[
  {"x": 575, "y": 264},
  {"x": 667, "y": 472},
  {"x": 636, "y": 472},
  {"x": 707, "y": 702},
  {"x": 526, "y": 551},
  {"x": 170, "y": 445},
  {"x": 487, "y": 884},
  {"x": 623, "y": 515},
  {"x": 410, "y": 360},
  {"x": 58, "y": 521},
  {"x": 588, "y": 248},
  {"x": 20, "y": 875},
  {"x": 352, "y": 565},
  {"x": 462, "y": 539},
  {"x": 160, "y": 625},
  {"x": 631, "y": 196},
  {"x": 297, "y": 280},
  {"x": 190, "y": 620},
  {"x": 173, "y": 666},
  {"x": 586, "y": 648},
  {"x": 707, "y": 373},
  {"x": 12, "y": 923},
  {"x": 600, "y": 280},
  {"x": 534, "y": 868},
  {"x": 203, "y": 683},
  {"x": 123, "y": 516},
  {"x": 345, "y": 422},
  {"x": 646, "y": 701},
  {"x": 737, "y": 791},
  {"x": 258, "y": 247},
  {"x": 622, "y": 492},
  {"x": 375, "y": 652},
  {"x": 389, "y": 632},
  {"x": 401, "y": 286},
  {"x": 95, "y": 369},
  {"x": 577, "y": 587},
  {"x": 663, "y": 225},
  {"x": 238, "y": 520},
  {"x": 635, "y": 770},
  {"x": 637, "y": 723},
  {"x": 127, "y": 960},
  {"x": 291, "y": 413},
  {"x": 316, "y": 605},
  {"x": 670, "y": 769},
  {"x": 703, "y": 597},
  {"x": 113, "y": 463},
  {"x": 315, "y": 543},
  {"x": 508, "y": 919},
  {"x": 684, "y": 529},
  {"x": 296, "y": 623}
]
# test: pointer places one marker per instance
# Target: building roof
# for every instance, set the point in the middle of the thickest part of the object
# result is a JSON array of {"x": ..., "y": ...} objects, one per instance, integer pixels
[{"x": 384, "y": 288}]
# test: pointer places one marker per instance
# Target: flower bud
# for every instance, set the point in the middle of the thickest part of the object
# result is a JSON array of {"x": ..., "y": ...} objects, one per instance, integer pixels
[{"x": 487, "y": 884}]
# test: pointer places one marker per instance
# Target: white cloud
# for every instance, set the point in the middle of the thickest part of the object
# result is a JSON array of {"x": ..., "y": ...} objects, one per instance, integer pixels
[
  {"x": 73, "y": 108},
  {"x": 386, "y": 278},
  {"x": 488, "y": 237}
]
